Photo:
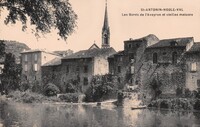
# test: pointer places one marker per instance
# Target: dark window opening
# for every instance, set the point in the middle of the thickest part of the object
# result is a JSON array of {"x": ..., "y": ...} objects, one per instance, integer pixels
[
  {"x": 198, "y": 83},
  {"x": 164, "y": 53},
  {"x": 77, "y": 69},
  {"x": 129, "y": 45},
  {"x": 85, "y": 69},
  {"x": 155, "y": 58},
  {"x": 85, "y": 81},
  {"x": 174, "y": 57},
  {"x": 173, "y": 43},
  {"x": 119, "y": 80},
  {"x": 67, "y": 69},
  {"x": 119, "y": 69},
  {"x": 131, "y": 57}
]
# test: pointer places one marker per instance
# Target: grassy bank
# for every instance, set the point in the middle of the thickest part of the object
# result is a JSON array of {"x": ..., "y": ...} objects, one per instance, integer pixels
[{"x": 176, "y": 104}]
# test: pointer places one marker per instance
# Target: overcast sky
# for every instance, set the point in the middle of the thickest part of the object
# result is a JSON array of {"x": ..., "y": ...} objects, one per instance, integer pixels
[{"x": 90, "y": 21}]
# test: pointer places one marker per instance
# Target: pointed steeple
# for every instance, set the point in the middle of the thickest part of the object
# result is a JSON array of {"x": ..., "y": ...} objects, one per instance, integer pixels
[{"x": 106, "y": 31}]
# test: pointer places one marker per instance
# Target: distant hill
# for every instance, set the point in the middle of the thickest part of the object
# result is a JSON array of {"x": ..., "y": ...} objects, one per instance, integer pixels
[{"x": 15, "y": 48}]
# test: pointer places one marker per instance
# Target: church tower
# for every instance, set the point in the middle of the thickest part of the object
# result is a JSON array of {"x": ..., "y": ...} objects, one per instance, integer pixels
[{"x": 106, "y": 31}]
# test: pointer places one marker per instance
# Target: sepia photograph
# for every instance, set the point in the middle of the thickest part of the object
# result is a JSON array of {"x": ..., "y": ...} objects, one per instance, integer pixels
[{"x": 99, "y": 63}]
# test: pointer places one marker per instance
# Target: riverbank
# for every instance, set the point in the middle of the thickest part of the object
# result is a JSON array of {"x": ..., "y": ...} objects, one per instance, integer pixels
[{"x": 176, "y": 104}]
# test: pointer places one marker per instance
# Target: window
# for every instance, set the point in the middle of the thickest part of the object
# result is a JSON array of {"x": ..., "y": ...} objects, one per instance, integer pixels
[
  {"x": 120, "y": 58},
  {"x": 131, "y": 57},
  {"x": 119, "y": 69},
  {"x": 67, "y": 69},
  {"x": 1, "y": 70},
  {"x": 194, "y": 66},
  {"x": 129, "y": 45},
  {"x": 174, "y": 57},
  {"x": 26, "y": 58},
  {"x": 85, "y": 69},
  {"x": 35, "y": 78},
  {"x": 164, "y": 53},
  {"x": 85, "y": 81},
  {"x": 35, "y": 57},
  {"x": 155, "y": 58},
  {"x": 198, "y": 83},
  {"x": 35, "y": 67},
  {"x": 26, "y": 67},
  {"x": 119, "y": 80},
  {"x": 77, "y": 69},
  {"x": 132, "y": 69}
]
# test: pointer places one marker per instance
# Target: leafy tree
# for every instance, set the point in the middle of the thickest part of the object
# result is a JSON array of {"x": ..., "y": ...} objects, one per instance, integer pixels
[
  {"x": 2, "y": 49},
  {"x": 155, "y": 86},
  {"x": 102, "y": 87},
  {"x": 44, "y": 14},
  {"x": 11, "y": 73}
]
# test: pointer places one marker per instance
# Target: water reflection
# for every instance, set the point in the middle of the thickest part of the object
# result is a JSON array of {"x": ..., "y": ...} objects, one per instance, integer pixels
[{"x": 43, "y": 115}]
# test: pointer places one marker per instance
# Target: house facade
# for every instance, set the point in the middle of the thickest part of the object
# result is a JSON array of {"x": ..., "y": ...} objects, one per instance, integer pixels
[
  {"x": 172, "y": 63},
  {"x": 79, "y": 68},
  {"x": 31, "y": 61}
]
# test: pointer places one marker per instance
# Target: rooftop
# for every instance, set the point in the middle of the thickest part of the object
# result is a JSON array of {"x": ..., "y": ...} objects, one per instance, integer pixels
[
  {"x": 54, "y": 62},
  {"x": 39, "y": 50},
  {"x": 195, "y": 48},
  {"x": 90, "y": 53},
  {"x": 181, "y": 42},
  {"x": 147, "y": 38}
]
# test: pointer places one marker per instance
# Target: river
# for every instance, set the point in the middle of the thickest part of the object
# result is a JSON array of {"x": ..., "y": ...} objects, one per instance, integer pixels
[{"x": 71, "y": 115}]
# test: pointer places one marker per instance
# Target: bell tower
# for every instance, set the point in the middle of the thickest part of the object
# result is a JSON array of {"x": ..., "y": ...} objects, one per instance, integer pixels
[{"x": 105, "y": 31}]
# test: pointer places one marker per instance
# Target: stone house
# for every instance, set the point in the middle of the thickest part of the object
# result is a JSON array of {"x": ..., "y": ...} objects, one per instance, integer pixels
[
  {"x": 173, "y": 63},
  {"x": 31, "y": 61},
  {"x": 78, "y": 68},
  {"x": 125, "y": 64},
  {"x": 192, "y": 60}
]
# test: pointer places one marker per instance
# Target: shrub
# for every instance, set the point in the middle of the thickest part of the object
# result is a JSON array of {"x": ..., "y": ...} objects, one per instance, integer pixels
[
  {"x": 70, "y": 88},
  {"x": 102, "y": 88},
  {"x": 51, "y": 90},
  {"x": 197, "y": 105},
  {"x": 70, "y": 97}
]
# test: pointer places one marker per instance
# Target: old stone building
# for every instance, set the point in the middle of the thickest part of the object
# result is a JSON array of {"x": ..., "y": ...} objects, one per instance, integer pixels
[
  {"x": 79, "y": 68},
  {"x": 192, "y": 59},
  {"x": 31, "y": 61},
  {"x": 126, "y": 64},
  {"x": 172, "y": 63}
]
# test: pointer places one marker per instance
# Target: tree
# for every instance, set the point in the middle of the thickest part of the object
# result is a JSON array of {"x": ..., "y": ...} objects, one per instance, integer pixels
[
  {"x": 2, "y": 49},
  {"x": 11, "y": 73},
  {"x": 44, "y": 14}
]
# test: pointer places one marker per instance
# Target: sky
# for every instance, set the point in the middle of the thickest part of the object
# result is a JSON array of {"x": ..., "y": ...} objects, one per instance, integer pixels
[{"x": 90, "y": 22}]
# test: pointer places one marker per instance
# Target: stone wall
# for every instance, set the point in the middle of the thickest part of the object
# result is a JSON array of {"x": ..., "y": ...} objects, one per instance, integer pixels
[
  {"x": 169, "y": 75},
  {"x": 192, "y": 77}
]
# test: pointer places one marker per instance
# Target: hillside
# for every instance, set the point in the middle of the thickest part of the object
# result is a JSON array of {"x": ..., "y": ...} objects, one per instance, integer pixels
[{"x": 15, "y": 48}]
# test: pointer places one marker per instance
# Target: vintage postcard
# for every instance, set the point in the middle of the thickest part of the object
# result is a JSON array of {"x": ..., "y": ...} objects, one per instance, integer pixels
[{"x": 99, "y": 63}]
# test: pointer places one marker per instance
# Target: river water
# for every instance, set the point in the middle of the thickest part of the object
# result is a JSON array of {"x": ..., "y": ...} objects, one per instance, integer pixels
[{"x": 71, "y": 115}]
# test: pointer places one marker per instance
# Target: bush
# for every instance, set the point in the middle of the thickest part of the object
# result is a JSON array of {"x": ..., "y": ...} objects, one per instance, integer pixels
[
  {"x": 51, "y": 90},
  {"x": 69, "y": 97},
  {"x": 197, "y": 105},
  {"x": 70, "y": 88},
  {"x": 102, "y": 88}
]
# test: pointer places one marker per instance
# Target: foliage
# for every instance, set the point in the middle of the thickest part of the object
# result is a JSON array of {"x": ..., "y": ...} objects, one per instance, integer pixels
[
  {"x": 178, "y": 91},
  {"x": 70, "y": 88},
  {"x": 101, "y": 88},
  {"x": 70, "y": 97},
  {"x": 51, "y": 89},
  {"x": 11, "y": 73},
  {"x": 43, "y": 14},
  {"x": 2, "y": 49},
  {"x": 155, "y": 86},
  {"x": 30, "y": 97}
]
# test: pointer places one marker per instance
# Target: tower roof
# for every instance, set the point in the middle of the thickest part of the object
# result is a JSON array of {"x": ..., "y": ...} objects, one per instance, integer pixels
[{"x": 106, "y": 25}]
